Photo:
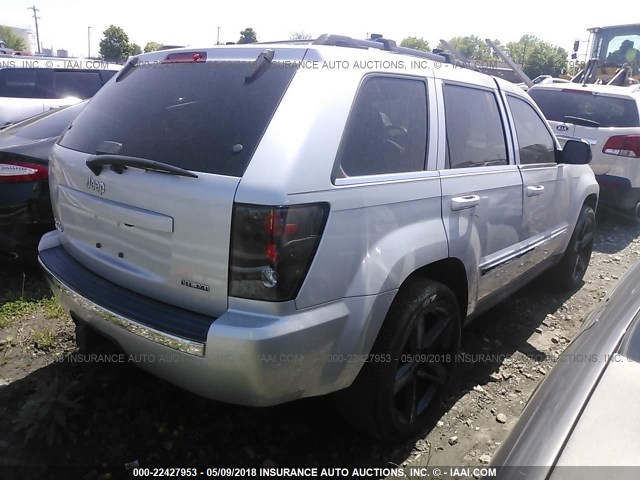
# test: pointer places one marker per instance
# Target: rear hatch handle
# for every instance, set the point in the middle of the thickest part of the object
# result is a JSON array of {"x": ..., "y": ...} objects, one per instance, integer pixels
[{"x": 119, "y": 163}]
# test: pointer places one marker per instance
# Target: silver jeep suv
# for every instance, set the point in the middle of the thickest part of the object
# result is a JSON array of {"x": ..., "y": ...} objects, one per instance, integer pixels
[{"x": 262, "y": 223}]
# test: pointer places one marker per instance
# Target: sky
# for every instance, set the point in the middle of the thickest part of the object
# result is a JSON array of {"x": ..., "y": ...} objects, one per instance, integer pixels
[{"x": 64, "y": 24}]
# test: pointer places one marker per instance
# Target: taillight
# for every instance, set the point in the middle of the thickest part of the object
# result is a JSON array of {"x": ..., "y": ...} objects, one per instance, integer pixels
[
  {"x": 623, "y": 146},
  {"x": 272, "y": 249},
  {"x": 20, "y": 172}
]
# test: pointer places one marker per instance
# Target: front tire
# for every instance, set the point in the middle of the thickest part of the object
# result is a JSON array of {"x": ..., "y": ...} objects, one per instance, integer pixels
[
  {"x": 568, "y": 274},
  {"x": 392, "y": 399}
]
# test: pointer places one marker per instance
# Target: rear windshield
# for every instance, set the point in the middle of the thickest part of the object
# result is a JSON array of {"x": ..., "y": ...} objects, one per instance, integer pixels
[
  {"x": 49, "y": 83},
  {"x": 607, "y": 111},
  {"x": 197, "y": 116},
  {"x": 46, "y": 125}
]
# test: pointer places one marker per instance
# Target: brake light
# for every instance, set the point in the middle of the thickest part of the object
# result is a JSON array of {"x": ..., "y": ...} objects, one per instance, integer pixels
[
  {"x": 623, "y": 146},
  {"x": 20, "y": 172},
  {"x": 186, "y": 57},
  {"x": 584, "y": 92},
  {"x": 272, "y": 249}
]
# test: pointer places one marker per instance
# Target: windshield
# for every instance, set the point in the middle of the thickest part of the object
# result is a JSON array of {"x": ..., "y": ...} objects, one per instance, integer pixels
[
  {"x": 197, "y": 116},
  {"x": 618, "y": 46}
]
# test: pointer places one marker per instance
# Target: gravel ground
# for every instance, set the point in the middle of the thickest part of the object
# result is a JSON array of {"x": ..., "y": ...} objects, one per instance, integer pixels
[{"x": 99, "y": 416}]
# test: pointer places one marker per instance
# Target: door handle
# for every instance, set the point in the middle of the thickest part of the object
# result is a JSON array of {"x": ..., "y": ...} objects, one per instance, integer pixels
[
  {"x": 533, "y": 190},
  {"x": 467, "y": 201}
]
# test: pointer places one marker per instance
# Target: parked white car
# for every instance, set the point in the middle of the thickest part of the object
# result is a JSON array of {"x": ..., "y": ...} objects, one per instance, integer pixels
[
  {"x": 608, "y": 118},
  {"x": 32, "y": 85},
  {"x": 543, "y": 80}
]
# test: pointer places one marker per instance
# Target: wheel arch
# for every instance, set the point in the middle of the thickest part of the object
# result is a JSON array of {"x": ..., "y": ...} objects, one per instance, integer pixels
[{"x": 452, "y": 273}]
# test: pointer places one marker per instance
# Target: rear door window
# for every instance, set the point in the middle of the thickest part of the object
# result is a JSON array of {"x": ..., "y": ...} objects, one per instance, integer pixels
[
  {"x": 387, "y": 128},
  {"x": 605, "y": 110},
  {"x": 475, "y": 134},
  {"x": 197, "y": 116}
]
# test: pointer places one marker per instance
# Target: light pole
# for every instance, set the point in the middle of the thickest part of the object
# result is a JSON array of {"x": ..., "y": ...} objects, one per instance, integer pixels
[
  {"x": 89, "y": 41},
  {"x": 218, "y": 39},
  {"x": 36, "y": 18}
]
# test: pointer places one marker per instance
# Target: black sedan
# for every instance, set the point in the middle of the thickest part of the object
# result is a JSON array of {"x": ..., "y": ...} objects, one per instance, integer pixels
[
  {"x": 583, "y": 421},
  {"x": 25, "y": 207}
]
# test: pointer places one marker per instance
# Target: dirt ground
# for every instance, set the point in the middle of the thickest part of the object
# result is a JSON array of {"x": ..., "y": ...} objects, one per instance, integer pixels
[{"x": 70, "y": 419}]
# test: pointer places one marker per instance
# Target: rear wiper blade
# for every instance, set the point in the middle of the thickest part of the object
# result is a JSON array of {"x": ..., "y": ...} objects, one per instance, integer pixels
[
  {"x": 119, "y": 163},
  {"x": 584, "y": 122}
]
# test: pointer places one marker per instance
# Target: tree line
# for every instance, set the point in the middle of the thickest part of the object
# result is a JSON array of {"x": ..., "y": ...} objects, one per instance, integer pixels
[
  {"x": 534, "y": 56},
  {"x": 116, "y": 47}
]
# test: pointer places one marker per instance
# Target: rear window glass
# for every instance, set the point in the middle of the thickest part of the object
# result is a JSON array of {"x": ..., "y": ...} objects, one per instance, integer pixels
[
  {"x": 48, "y": 124},
  {"x": 73, "y": 83},
  {"x": 198, "y": 116},
  {"x": 48, "y": 83},
  {"x": 605, "y": 110}
]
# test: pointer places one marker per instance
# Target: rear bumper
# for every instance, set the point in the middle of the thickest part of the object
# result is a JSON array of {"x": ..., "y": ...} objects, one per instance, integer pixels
[
  {"x": 244, "y": 357},
  {"x": 618, "y": 192}
]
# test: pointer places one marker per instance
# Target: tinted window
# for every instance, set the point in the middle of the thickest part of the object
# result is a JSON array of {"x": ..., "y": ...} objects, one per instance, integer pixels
[
  {"x": 387, "y": 129},
  {"x": 106, "y": 75},
  {"x": 48, "y": 83},
  {"x": 75, "y": 83},
  {"x": 535, "y": 142},
  {"x": 605, "y": 110},
  {"x": 48, "y": 124},
  {"x": 26, "y": 83},
  {"x": 189, "y": 115},
  {"x": 475, "y": 136}
]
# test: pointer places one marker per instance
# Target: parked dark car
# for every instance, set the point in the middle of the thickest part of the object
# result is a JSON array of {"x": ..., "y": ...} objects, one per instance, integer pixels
[
  {"x": 585, "y": 413},
  {"x": 25, "y": 207}
]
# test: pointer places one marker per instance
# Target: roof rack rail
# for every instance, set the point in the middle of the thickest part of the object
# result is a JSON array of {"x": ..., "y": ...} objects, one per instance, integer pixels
[{"x": 377, "y": 43}]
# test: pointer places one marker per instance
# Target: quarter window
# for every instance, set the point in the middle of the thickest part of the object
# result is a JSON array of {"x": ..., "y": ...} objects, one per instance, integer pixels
[
  {"x": 387, "y": 129},
  {"x": 475, "y": 136},
  {"x": 534, "y": 140}
]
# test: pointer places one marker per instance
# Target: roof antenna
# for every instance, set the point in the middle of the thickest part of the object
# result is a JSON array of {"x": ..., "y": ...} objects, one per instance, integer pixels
[{"x": 262, "y": 63}]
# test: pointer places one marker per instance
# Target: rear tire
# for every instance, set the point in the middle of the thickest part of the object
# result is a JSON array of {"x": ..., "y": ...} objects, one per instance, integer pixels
[
  {"x": 412, "y": 364},
  {"x": 568, "y": 274}
]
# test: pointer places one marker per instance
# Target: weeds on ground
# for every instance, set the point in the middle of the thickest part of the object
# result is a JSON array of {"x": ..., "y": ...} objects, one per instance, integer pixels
[
  {"x": 50, "y": 412},
  {"x": 53, "y": 309},
  {"x": 16, "y": 309},
  {"x": 44, "y": 339}
]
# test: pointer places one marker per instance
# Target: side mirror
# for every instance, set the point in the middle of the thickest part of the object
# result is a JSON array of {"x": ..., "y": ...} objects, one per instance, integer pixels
[
  {"x": 575, "y": 152},
  {"x": 576, "y": 45}
]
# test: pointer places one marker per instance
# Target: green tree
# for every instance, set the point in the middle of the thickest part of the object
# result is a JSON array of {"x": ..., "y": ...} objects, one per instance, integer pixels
[
  {"x": 537, "y": 57},
  {"x": 472, "y": 48},
  {"x": 151, "y": 47},
  {"x": 416, "y": 43},
  {"x": 248, "y": 35},
  {"x": 115, "y": 46},
  {"x": 301, "y": 35},
  {"x": 135, "y": 49},
  {"x": 10, "y": 39}
]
